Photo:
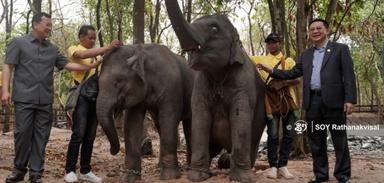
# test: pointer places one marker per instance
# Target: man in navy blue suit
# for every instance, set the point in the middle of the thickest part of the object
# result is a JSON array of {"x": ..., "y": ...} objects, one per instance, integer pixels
[{"x": 329, "y": 92}]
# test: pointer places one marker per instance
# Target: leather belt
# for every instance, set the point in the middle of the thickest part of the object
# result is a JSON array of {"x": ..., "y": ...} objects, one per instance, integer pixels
[{"x": 316, "y": 92}]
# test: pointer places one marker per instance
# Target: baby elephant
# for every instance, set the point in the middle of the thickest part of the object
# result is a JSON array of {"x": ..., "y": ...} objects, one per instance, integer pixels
[
  {"x": 227, "y": 98},
  {"x": 145, "y": 77}
]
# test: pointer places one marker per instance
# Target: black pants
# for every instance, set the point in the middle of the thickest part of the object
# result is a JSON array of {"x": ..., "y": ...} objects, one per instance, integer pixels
[
  {"x": 273, "y": 140},
  {"x": 83, "y": 133},
  {"x": 318, "y": 114}
]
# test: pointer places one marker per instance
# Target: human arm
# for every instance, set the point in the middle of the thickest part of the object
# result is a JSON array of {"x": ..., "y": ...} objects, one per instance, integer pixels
[
  {"x": 81, "y": 67},
  {"x": 93, "y": 52},
  {"x": 349, "y": 79},
  {"x": 5, "y": 96},
  {"x": 284, "y": 83},
  {"x": 293, "y": 73}
]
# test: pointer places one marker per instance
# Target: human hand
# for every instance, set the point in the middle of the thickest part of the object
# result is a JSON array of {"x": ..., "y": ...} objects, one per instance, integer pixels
[
  {"x": 264, "y": 67},
  {"x": 114, "y": 44},
  {"x": 348, "y": 107},
  {"x": 5, "y": 97}
]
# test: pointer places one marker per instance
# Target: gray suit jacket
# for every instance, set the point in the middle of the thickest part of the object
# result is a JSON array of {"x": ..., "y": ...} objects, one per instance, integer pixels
[{"x": 338, "y": 83}]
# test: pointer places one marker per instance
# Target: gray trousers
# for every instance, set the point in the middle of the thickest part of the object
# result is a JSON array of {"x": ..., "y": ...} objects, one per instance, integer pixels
[{"x": 33, "y": 124}]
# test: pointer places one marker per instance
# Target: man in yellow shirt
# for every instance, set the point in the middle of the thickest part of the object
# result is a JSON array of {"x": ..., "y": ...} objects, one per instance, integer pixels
[
  {"x": 278, "y": 164},
  {"x": 84, "y": 117}
]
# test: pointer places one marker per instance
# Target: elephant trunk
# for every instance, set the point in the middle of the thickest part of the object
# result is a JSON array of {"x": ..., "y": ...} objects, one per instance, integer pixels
[
  {"x": 189, "y": 39},
  {"x": 104, "y": 110}
]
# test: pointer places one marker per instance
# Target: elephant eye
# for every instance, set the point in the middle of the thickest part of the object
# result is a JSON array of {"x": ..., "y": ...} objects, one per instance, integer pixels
[{"x": 214, "y": 29}]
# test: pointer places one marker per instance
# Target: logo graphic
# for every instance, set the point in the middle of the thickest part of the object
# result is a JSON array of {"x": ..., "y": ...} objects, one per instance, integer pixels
[
  {"x": 289, "y": 127},
  {"x": 300, "y": 126}
]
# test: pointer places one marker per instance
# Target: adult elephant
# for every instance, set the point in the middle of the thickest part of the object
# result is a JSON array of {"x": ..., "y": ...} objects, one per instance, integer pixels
[
  {"x": 145, "y": 77},
  {"x": 227, "y": 98}
]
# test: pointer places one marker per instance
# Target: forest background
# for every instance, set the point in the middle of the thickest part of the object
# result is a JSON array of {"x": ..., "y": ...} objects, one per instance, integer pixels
[{"x": 357, "y": 23}]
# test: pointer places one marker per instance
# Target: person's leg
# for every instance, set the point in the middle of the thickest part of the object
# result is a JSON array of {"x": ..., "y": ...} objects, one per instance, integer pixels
[
  {"x": 89, "y": 138},
  {"x": 41, "y": 131},
  {"x": 78, "y": 126},
  {"x": 317, "y": 138},
  {"x": 272, "y": 145},
  {"x": 24, "y": 116},
  {"x": 339, "y": 138},
  {"x": 286, "y": 145},
  {"x": 273, "y": 140}
]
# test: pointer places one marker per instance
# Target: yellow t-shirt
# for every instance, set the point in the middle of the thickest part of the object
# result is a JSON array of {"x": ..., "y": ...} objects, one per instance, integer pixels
[
  {"x": 79, "y": 75},
  {"x": 271, "y": 61}
]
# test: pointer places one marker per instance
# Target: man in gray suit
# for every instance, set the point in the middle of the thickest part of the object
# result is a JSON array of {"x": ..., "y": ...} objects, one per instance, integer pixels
[
  {"x": 329, "y": 92},
  {"x": 33, "y": 58}
]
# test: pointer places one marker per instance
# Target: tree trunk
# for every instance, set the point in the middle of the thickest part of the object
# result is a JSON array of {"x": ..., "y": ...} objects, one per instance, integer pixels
[
  {"x": 300, "y": 143},
  {"x": 154, "y": 22},
  {"x": 279, "y": 24},
  {"x": 189, "y": 11},
  {"x": 8, "y": 12},
  {"x": 50, "y": 7},
  {"x": 138, "y": 22},
  {"x": 249, "y": 17},
  {"x": 98, "y": 22},
  {"x": 272, "y": 14},
  {"x": 27, "y": 21},
  {"x": 118, "y": 4},
  {"x": 301, "y": 26},
  {"x": 110, "y": 20},
  {"x": 330, "y": 11},
  {"x": 35, "y": 6}
]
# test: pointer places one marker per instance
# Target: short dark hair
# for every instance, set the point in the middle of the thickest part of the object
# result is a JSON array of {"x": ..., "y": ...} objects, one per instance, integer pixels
[
  {"x": 84, "y": 30},
  {"x": 38, "y": 16},
  {"x": 326, "y": 24}
]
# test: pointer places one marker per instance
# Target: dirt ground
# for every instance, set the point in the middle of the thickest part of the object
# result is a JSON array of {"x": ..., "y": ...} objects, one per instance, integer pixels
[{"x": 367, "y": 167}]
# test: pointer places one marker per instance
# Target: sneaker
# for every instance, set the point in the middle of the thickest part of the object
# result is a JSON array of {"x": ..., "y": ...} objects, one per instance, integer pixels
[
  {"x": 272, "y": 173},
  {"x": 283, "y": 171},
  {"x": 71, "y": 177},
  {"x": 91, "y": 177}
]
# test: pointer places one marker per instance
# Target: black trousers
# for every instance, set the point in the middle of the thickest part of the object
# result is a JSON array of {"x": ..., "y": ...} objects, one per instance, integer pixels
[
  {"x": 83, "y": 134},
  {"x": 280, "y": 158},
  {"x": 318, "y": 114}
]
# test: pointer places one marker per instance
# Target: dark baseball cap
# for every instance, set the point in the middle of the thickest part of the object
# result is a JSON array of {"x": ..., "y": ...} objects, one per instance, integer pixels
[{"x": 272, "y": 37}]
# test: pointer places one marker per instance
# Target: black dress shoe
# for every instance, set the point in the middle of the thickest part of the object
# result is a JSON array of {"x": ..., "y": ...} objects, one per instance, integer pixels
[
  {"x": 318, "y": 180},
  {"x": 14, "y": 177},
  {"x": 35, "y": 179}
]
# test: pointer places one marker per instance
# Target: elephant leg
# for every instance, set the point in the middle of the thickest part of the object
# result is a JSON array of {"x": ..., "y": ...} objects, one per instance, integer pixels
[
  {"x": 201, "y": 128},
  {"x": 241, "y": 133},
  {"x": 133, "y": 129},
  {"x": 168, "y": 122},
  {"x": 258, "y": 124},
  {"x": 187, "y": 135}
]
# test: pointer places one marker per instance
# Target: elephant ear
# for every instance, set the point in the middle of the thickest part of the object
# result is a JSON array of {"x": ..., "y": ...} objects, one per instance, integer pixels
[
  {"x": 237, "y": 55},
  {"x": 136, "y": 64}
]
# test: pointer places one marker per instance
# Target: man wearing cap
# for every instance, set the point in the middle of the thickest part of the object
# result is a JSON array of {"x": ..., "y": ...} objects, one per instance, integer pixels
[
  {"x": 278, "y": 160},
  {"x": 329, "y": 92}
]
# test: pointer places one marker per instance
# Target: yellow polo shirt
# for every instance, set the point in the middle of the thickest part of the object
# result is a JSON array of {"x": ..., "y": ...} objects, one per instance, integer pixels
[
  {"x": 79, "y": 75},
  {"x": 271, "y": 61}
]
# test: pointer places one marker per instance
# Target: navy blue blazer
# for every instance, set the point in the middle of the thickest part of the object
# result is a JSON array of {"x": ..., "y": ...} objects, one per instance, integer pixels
[{"x": 338, "y": 83}]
